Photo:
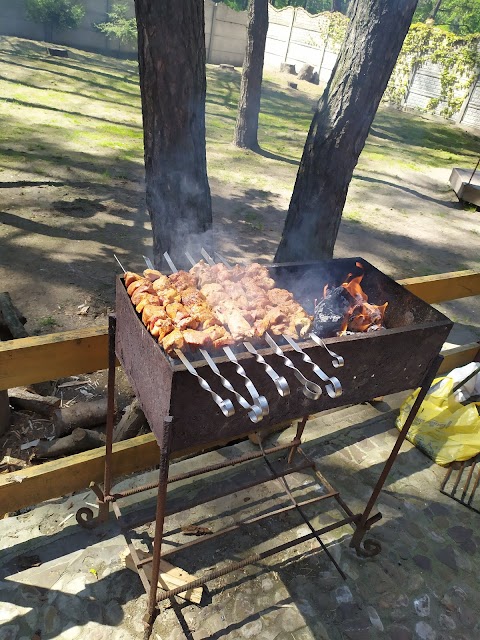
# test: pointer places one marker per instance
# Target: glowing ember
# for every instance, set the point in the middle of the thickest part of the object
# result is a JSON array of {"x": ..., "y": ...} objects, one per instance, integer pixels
[{"x": 361, "y": 315}]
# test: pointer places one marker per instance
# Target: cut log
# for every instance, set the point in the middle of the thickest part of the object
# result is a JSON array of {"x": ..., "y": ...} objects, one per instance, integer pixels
[
  {"x": 10, "y": 317},
  {"x": 306, "y": 73},
  {"x": 228, "y": 67},
  {"x": 132, "y": 421},
  {"x": 170, "y": 577},
  {"x": 292, "y": 85},
  {"x": 81, "y": 414},
  {"x": 78, "y": 441},
  {"x": 21, "y": 398},
  {"x": 4, "y": 412},
  {"x": 287, "y": 68}
]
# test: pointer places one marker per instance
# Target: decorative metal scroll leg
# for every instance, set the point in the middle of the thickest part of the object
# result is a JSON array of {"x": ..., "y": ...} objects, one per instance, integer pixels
[
  {"x": 85, "y": 516},
  {"x": 159, "y": 521},
  {"x": 298, "y": 436},
  {"x": 370, "y": 547}
]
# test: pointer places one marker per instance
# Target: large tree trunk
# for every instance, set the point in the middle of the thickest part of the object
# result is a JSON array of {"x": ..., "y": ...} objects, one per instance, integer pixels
[
  {"x": 246, "y": 128},
  {"x": 171, "y": 57},
  {"x": 340, "y": 126}
]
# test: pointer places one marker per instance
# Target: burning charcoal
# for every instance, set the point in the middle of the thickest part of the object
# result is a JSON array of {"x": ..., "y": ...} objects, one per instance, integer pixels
[{"x": 330, "y": 312}]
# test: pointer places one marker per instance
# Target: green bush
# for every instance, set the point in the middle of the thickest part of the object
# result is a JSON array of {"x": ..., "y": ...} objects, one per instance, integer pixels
[
  {"x": 55, "y": 14},
  {"x": 119, "y": 25}
]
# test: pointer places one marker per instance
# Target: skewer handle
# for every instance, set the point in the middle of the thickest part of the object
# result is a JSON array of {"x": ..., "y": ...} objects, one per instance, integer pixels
[
  {"x": 333, "y": 386},
  {"x": 279, "y": 381},
  {"x": 337, "y": 361},
  {"x": 226, "y": 406},
  {"x": 255, "y": 412},
  {"x": 310, "y": 389}
]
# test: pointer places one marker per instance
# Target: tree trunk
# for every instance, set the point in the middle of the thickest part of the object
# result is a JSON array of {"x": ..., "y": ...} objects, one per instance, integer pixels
[
  {"x": 246, "y": 128},
  {"x": 336, "y": 5},
  {"x": 435, "y": 10},
  {"x": 171, "y": 57},
  {"x": 340, "y": 127}
]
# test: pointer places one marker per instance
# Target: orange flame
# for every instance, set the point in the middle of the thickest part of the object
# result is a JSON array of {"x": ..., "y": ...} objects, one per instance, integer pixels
[{"x": 361, "y": 315}]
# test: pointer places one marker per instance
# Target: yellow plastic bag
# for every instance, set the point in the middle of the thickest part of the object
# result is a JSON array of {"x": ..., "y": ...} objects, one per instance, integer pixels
[{"x": 443, "y": 429}]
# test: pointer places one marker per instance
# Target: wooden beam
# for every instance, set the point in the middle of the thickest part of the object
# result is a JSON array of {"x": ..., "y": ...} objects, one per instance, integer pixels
[
  {"x": 36, "y": 359},
  {"x": 39, "y": 358},
  {"x": 444, "y": 286},
  {"x": 459, "y": 356},
  {"x": 56, "y": 478},
  {"x": 36, "y": 484}
]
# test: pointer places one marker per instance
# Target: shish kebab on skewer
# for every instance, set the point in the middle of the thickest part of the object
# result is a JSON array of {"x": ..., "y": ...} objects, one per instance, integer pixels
[{"x": 226, "y": 288}]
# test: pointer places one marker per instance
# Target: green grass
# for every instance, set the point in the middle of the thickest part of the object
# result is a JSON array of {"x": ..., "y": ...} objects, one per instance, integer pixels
[{"x": 79, "y": 119}]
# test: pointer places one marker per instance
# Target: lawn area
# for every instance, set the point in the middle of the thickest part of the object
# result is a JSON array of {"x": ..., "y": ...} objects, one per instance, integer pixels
[{"x": 71, "y": 183}]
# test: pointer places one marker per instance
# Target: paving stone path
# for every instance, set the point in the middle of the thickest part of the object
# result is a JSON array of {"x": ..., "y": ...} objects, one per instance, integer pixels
[{"x": 423, "y": 586}]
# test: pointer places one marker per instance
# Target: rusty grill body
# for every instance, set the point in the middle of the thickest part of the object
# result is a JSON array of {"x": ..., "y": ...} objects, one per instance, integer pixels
[
  {"x": 184, "y": 416},
  {"x": 376, "y": 363}
]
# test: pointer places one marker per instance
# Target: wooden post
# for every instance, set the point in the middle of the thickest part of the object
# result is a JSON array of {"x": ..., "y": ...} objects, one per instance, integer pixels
[{"x": 4, "y": 412}]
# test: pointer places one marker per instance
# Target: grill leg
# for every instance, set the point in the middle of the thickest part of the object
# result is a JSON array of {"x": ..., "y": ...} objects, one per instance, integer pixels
[
  {"x": 84, "y": 515},
  {"x": 298, "y": 436},
  {"x": 159, "y": 521},
  {"x": 371, "y": 548}
]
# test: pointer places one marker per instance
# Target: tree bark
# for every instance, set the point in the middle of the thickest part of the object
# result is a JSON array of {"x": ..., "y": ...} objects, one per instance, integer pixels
[
  {"x": 171, "y": 57},
  {"x": 435, "y": 10},
  {"x": 340, "y": 127},
  {"x": 246, "y": 128}
]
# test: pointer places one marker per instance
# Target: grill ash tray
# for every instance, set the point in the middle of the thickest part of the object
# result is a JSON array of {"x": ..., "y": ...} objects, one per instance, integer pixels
[{"x": 376, "y": 363}]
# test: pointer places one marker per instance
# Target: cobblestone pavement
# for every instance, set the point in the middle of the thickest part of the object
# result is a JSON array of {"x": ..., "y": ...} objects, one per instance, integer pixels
[{"x": 424, "y": 584}]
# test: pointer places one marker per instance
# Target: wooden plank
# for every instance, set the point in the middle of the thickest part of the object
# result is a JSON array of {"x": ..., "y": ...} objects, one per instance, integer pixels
[
  {"x": 73, "y": 473},
  {"x": 444, "y": 286},
  {"x": 56, "y": 478},
  {"x": 459, "y": 356},
  {"x": 39, "y": 358},
  {"x": 36, "y": 359}
]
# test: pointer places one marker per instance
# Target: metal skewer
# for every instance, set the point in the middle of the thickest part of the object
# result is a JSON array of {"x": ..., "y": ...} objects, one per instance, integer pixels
[
  {"x": 259, "y": 401},
  {"x": 310, "y": 389},
  {"x": 332, "y": 386},
  {"x": 121, "y": 266},
  {"x": 279, "y": 381},
  {"x": 226, "y": 406},
  {"x": 255, "y": 412},
  {"x": 337, "y": 361}
]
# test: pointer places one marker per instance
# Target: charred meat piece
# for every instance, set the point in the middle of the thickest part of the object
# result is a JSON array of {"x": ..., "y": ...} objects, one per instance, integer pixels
[
  {"x": 182, "y": 280},
  {"x": 151, "y": 313},
  {"x": 130, "y": 277},
  {"x": 135, "y": 284},
  {"x": 161, "y": 328},
  {"x": 162, "y": 283},
  {"x": 152, "y": 274},
  {"x": 148, "y": 298},
  {"x": 141, "y": 292},
  {"x": 174, "y": 340}
]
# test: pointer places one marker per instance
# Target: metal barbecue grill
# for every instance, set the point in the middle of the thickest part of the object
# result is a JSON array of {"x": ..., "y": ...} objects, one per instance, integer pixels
[{"x": 230, "y": 391}]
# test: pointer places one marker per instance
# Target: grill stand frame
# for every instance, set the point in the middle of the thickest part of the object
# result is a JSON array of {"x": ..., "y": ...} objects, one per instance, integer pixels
[{"x": 361, "y": 522}]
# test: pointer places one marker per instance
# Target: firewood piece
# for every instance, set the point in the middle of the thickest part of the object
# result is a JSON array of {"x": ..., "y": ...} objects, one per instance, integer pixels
[
  {"x": 21, "y": 398},
  {"x": 170, "y": 577},
  {"x": 4, "y": 412},
  {"x": 79, "y": 440},
  {"x": 132, "y": 421},
  {"x": 196, "y": 530},
  {"x": 330, "y": 312},
  {"x": 81, "y": 414},
  {"x": 10, "y": 317}
]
